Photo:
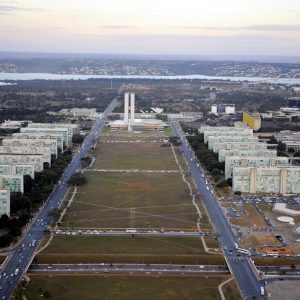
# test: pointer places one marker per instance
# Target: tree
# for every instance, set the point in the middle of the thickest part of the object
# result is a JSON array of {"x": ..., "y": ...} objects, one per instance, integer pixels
[
  {"x": 6, "y": 240},
  {"x": 28, "y": 183},
  {"x": 77, "y": 139},
  {"x": 77, "y": 180}
]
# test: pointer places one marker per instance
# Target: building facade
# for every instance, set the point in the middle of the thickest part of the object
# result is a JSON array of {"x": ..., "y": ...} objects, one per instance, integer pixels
[
  {"x": 223, "y": 153},
  {"x": 49, "y": 131},
  {"x": 239, "y": 146},
  {"x": 15, "y": 182},
  {"x": 232, "y": 132},
  {"x": 71, "y": 128},
  {"x": 253, "y": 120},
  {"x": 276, "y": 180},
  {"x": 23, "y": 169},
  {"x": 30, "y": 143},
  {"x": 41, "y": 136},
  {"x": 36, "y": 160},
  {"x": 225, "y": 109},
  {"x": 4, "y": 201},
  {"x": 227, "y": 139},
  {"x": 232, "y": 162},
  {"x": 45, "y": 152}
]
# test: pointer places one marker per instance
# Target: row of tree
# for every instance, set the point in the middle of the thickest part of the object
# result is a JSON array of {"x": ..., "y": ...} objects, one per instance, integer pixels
[
  {"x": 36, "y": 192},
  {"x": 208, "y": 159}
]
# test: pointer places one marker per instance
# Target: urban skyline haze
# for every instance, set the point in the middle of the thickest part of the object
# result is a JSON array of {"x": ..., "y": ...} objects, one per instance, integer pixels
[{"x": 192, "y": 27}]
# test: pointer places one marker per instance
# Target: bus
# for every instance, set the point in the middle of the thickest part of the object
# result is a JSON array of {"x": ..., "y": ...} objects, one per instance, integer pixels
[{"x": 241, "y": 250}]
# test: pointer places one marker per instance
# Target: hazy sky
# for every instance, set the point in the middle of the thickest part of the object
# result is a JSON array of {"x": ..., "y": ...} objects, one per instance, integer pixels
[{"x": 230, "y": 27}]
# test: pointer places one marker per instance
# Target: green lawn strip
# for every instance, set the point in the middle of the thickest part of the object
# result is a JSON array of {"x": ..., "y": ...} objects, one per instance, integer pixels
[
  {"x": 122, "y": 200},
  {"x": 182, "y": 250},
  {"x": 277, "y": 261},
  {"x": 144, "y": 156},
  {"x": 124, "y": 288},
  {"x": 231, "y": 291}
]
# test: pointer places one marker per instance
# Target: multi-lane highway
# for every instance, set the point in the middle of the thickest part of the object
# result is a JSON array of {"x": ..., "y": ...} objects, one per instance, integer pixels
[
  {"x": 82, "y": 232},
  {"x": 239, "y": 264},
  {"x": 21, "y": 256},
  {"x": 119, "y": 268}
]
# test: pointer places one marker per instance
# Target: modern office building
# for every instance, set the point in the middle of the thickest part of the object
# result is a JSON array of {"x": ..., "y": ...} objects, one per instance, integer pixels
[
  {"x": 232, "y": 162},
  {"x": 23, "y": 169},
  {"x": 292, "y": 145},
  {"x": 45, "y": 152},
  {"x": 276, "y": 180},
  {"x": 253, "y": 120},
  {"x": 30, "y": 143},
  {"x": 237, "y": 126},
  {"x": 31, "y": 159},
  {"x": 9, "y": 124},
  {"x": 4, "y": 200},
  {"x": 235, "y": 132},
  {"x": 15, "y": 182},
  {"x": 294, "y": 102},
  {"x": 71, "y": 128},
  {"x": 223, "y": 153},
  {"x": 49, "y": 131},
  {"x": 227, "y": 139},
  {"x": 59, "y": 138},
  {"x": 239, "y": 146},
  {"x": 224, "y": 109}
]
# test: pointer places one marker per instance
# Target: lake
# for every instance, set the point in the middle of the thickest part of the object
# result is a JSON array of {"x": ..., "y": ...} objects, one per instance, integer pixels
[{"x": 50, "y": 76}]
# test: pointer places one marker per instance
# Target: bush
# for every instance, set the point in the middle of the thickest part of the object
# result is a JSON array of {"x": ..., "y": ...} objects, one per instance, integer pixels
[
  {"x": 6, "y": 240},
  {"x": 77, "y": 180}
]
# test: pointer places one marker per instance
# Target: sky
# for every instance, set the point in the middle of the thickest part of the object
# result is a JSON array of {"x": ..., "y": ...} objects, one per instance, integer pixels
[{"x": 170, "y": 27}]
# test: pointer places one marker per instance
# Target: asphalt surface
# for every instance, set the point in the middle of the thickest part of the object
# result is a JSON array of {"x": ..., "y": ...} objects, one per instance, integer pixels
[
  {"x": 157, "y": 269},
  {"x": 81, "y": 232},
  {"x": 239, "y": 264},
  {"x": 166, "y": 269},
  {"x": 21, "y": 257}
]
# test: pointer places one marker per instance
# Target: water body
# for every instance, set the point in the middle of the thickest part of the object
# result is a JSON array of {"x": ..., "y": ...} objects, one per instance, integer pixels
[
  {"x": 49, "y": 76},
  {"x": 6, "y": 83}
]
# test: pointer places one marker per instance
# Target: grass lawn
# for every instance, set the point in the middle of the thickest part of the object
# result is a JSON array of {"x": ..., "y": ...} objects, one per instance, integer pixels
[
  {"x": 132, "y": 200},
  {"x": 126, "y": 288},
  {"x": 231, "y": 291},
  {"x": 276, "y": 261},
  {"x": 144, "y": 156},
  {"x": 249, "y": 217},
  {"x": 181, "y": 250}
]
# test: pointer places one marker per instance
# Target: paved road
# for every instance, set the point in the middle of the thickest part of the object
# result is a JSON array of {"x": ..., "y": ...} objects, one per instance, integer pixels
[
  {"x": 168, "y": 269},
  {"x": 240, "y": 265},
  {"x": 156, "y": 268},
  {"x": 22, "y": 255},
  {"x": 135, "y": 233},
  {"x": 129, "y": 171}
]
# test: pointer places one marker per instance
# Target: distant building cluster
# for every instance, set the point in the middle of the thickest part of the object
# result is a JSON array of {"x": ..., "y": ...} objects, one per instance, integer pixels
[
  {"x": 88, "y": 113},
  {"x": 83, "y": 113},
  {"x": 252, "y": 167},
  {"x": 290, "y": 139},
  {"x": 27, "y": 152},
  {"x": 8, "y": 124}
]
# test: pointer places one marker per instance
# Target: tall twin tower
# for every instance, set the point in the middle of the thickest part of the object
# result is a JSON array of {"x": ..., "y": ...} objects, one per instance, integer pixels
[{"x": 129, "y": 106}]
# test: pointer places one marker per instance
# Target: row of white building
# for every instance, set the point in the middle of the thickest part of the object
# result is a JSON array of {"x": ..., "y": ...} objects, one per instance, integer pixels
[
  {"x": 27, "y": 152},
  {"x": 252, "y": 167}
]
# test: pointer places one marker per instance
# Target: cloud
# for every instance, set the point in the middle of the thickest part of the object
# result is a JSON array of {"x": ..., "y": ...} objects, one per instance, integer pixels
[
  {"x": 117, "y": 27},
  {"x": 269, "y": 27},
  {"x": 11, "y": 9}
]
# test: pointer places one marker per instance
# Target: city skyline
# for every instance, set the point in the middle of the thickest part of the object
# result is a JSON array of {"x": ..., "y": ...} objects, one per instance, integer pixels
[{"x": 157, "y": 27}]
